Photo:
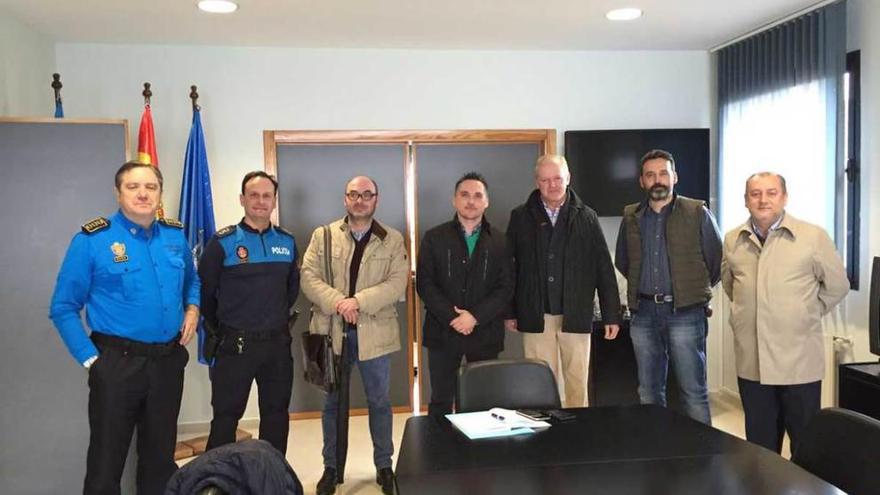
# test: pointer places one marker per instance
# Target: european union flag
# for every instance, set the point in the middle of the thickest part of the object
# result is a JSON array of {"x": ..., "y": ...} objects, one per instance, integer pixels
[
  {"x": 59, "y": 109},
  {"x": 196, "y": 205}
]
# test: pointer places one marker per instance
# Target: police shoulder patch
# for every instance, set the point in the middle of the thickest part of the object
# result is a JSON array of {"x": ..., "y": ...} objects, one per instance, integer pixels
[
  {"x": 225, "y": 231},
  {"x": 171, "y": 222},
  {"x": 95, "y": 225},
  {"x": 284, "y": 231}
]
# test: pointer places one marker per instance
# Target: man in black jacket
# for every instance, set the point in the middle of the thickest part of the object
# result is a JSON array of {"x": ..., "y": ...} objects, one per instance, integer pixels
[
  {"x": 560, "y": 261},
  {"x": 464, "y": 278}
]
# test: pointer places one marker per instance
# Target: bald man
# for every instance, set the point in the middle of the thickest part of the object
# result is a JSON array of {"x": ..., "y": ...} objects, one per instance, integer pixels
[
  {"x": 782, "y": 275},
  {"x": 369, "y": 271}
]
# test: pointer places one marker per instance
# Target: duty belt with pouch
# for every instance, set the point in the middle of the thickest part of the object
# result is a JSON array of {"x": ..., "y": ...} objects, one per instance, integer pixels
[
  {"x": 212, "y": 343},
  {"x": 233, "y": 340}
]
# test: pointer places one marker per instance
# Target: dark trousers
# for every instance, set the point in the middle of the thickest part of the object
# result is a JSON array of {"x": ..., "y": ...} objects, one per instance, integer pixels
[
  {"x": 270, "y": 363},
  {"x": 444, "y": 364},
  {"x": 128, "y": 391},
  {"x": 772, "y": 410}
]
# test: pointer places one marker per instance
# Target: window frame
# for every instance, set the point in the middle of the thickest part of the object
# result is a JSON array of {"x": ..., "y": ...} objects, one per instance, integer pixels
[{"x": 852, "y": 169}]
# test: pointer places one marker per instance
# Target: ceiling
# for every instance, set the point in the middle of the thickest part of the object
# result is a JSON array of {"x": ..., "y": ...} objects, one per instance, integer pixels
[{"x": 405, "y": 24}]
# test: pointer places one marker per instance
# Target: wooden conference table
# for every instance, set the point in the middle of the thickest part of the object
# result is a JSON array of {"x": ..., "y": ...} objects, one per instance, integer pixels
[{"x": 637, "y": 450}]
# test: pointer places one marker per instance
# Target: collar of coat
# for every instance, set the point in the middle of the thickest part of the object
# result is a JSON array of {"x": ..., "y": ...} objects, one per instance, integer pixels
[
  {"x": 572, "y": 200},
  {"x": 377, "y": 228},
  {"x": 485, "y": 228},
  {"x": 789, "y": 223},
  {"x": 643, "y": 206}
]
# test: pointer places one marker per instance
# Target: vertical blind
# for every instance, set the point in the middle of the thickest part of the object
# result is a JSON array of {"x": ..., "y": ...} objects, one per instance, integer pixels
[{"x": 780, "y": 109}]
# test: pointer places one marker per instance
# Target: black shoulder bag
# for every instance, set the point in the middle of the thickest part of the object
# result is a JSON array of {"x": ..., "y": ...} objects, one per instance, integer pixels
[{"x": 319, "y": 362}]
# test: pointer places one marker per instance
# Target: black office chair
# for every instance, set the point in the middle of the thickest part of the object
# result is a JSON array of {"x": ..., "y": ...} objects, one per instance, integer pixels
[
  {"x": 843, "y": 448},
  {"x": 507, "y": 383}
]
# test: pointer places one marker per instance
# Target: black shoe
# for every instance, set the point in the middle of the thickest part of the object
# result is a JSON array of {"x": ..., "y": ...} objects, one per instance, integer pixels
[
  {"x": 327, "y": 483},
  {"x": 385, "y": 478}
]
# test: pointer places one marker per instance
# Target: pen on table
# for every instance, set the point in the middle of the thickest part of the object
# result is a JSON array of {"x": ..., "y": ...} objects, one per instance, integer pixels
[{"x": 497, "y": 416}]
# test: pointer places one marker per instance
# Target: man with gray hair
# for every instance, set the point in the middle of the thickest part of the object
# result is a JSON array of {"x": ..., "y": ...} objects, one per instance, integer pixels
[
  {"x": 560, "y": 261},
  {"x": 782, "y": 275}
]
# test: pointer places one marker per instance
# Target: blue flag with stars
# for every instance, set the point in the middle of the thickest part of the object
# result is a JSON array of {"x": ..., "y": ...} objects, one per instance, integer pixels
[{"x": 196, "y": 205}]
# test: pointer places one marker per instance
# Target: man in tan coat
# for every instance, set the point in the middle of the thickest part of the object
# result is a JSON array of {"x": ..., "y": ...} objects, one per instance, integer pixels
[
  {"x": 368, "y": 275},
  {"x": 782, "y": 275}
]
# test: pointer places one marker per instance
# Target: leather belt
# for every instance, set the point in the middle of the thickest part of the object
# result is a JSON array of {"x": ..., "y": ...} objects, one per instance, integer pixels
[
  {"x": 134, "y": 347},
  {"x": 657, "y": 298}
]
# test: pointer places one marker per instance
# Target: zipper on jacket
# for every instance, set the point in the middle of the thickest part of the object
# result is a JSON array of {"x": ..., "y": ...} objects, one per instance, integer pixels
[
  {"x": 485, "y": 263},
  {"x": 449, "y": 262},
  {"x": 263, "y": 242}
]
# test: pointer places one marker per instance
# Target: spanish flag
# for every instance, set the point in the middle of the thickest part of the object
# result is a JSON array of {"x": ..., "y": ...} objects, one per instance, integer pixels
[{"x": 147, "y": 146}]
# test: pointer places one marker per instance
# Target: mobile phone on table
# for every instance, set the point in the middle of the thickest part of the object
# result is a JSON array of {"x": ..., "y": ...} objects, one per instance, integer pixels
[
  {"x": 561, "y": 415},
  {"x": 533, "y": 414}
]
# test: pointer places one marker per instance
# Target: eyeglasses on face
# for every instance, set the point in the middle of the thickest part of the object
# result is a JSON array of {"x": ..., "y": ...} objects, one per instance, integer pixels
[{"x": 366, "y": 195}]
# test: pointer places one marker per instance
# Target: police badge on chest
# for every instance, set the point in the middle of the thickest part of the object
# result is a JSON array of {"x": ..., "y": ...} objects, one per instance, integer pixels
[{"x": 118, "y": 250}]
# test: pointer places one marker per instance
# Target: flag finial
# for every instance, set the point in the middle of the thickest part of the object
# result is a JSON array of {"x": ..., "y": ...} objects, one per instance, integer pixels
[
  {"x": 147, "y": 94},
  {"x": 56, "y": 85},
  {"x": 194, "y": 96}
]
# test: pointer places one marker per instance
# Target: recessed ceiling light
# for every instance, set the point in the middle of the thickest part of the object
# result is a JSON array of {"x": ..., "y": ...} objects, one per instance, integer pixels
[
  {"x": 218, "y": 6},
  {"x": 627, "y": 14}
]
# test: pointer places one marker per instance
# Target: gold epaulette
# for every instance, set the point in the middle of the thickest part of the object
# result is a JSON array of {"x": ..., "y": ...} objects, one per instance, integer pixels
[
  {"x": 171, "y": 222},
  {"x": 95, "y": 225},
  {"x": 225, "y": 231}
]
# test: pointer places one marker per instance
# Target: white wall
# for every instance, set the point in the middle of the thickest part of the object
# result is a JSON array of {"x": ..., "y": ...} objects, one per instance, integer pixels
[
  {"x": 246, "y": 90},
  {"x": 27, "y": 61}
]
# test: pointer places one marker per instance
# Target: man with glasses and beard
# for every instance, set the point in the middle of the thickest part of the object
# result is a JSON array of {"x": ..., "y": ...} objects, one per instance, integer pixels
[
  {"x": 368, "y": 275},
  {"x": 669, "y": 250}
]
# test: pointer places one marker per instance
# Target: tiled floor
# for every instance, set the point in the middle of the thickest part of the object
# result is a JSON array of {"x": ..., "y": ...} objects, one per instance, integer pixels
[{"x": 304, "y": 447}]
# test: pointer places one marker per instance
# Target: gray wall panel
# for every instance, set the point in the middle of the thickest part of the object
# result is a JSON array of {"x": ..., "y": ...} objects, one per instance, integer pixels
[
  {"x": 53, "y": 178},
  {"x": 312, "y": 179},
  {"x": 509, "y": 170}
]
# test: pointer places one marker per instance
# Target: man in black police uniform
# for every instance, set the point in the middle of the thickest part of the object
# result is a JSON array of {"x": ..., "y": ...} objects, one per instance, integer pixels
[
  {"x": 250, "y": 281},
  {"x": 133, "y": 275}
]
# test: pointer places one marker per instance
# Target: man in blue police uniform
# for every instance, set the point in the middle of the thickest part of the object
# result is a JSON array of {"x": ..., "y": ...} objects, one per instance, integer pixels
[
  {"x": 249, "y": 282},
  {"x": 136, "y": 280}
]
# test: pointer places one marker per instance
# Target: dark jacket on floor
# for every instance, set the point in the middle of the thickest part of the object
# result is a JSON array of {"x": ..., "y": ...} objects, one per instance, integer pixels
[
  {"x": 241, "y": 468},
  {"x": 586, "y": 267},
  {"x": 481, "y": 283}
]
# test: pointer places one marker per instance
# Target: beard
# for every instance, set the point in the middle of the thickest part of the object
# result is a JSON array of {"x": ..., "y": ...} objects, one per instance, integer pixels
[
  {"x": 658, "y": 192},
  {"x": 362, "y": 215}
]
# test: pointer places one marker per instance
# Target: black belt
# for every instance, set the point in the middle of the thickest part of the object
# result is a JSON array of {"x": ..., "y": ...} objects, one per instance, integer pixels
[
  {"x": 134, "y": 347},
  {"x": 228, "y": 331},
  {"x": 657, "y": 298}
]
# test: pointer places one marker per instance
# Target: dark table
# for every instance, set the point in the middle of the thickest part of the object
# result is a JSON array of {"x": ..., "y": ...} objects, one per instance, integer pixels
[{"x": 606, "y": 450}]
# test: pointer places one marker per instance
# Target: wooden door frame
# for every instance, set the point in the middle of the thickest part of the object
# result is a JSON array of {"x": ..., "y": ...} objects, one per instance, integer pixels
[{"x": 544, "y": 138}]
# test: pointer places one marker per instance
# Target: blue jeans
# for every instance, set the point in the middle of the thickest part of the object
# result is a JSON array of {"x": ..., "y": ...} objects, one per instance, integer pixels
[
  {"x": 376, "y": 375},
  {"x": 659, "y": 333}
]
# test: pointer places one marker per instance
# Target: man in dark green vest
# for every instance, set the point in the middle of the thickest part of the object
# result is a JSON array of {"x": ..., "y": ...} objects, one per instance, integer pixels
[{"x": 669, "y": 250}]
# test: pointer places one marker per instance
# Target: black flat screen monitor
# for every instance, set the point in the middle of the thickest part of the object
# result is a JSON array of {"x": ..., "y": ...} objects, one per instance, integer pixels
[
  {"x": 605, "y": 164},
  {"x": 874, "y": 304}
]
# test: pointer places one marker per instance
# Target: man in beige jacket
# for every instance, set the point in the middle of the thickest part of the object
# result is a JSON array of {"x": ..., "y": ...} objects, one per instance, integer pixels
[
  {"x": 369, "y": 270},
  {"x": 781, "y": 275}
]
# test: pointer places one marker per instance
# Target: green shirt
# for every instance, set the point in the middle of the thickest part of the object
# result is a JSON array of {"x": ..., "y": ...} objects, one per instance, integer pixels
[{"x": 471, "y": 240}]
